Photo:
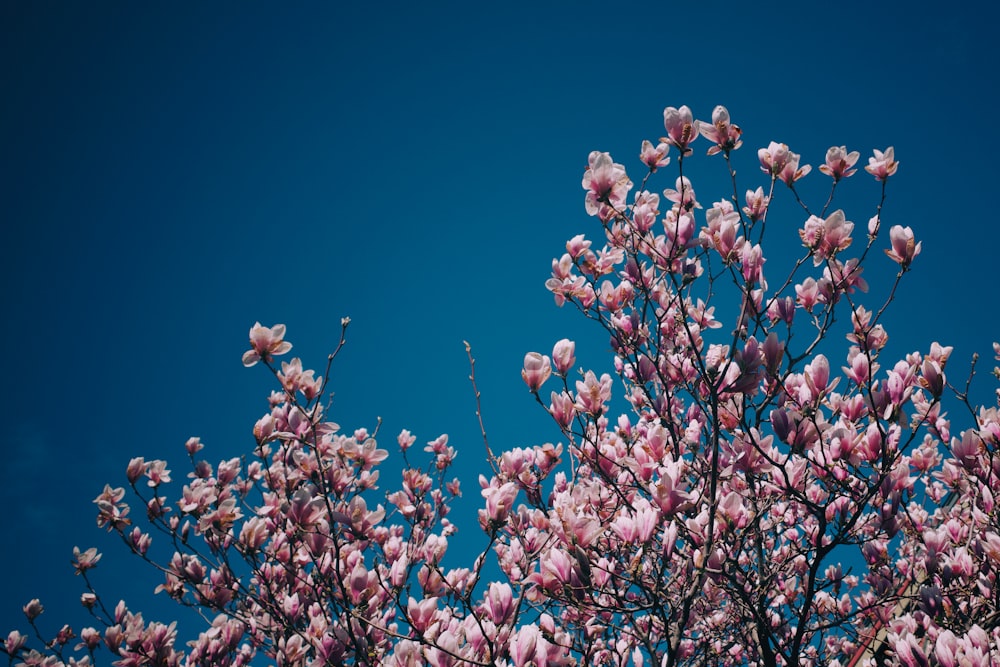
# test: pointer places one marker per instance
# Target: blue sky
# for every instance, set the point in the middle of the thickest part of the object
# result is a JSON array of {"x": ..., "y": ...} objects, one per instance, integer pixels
[{"x": 169, "y": 175}]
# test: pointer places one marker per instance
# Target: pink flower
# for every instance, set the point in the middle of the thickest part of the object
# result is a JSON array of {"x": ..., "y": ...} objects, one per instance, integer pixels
[
  {"x": 33, "y": 609},
  {"x": 654, "y": 157},
  {"x": 136, "y": 469},
  {"x": 562, "y": 409},
  {"x": 839, "y": 162},
  {"x": 193, "y": 445},
  {"x": 882, "y": 165},
  {"x": 773, "y": 158},
  {"x": 421, "y": 614},
  {"x": 725, "y": 135},
  {"x": 826, "y": 237},
  {"x": 499, "y": 500},
  {"x": 791, "y": 171},
  {"x": 499, "y": 602},
  {"x": 681, "y": 128},
  {"x": 903, "y": 249},
  {"x": 607, "y": 185},
  {"x": 563, "y": 354},
  {"x": 591, "y": 393},
  {"x": 757, "y": 203},
  {"x": 264, "y": 343},
  {"x": 85, "y": 560},
  {"x": 14, "y": 642},
  {"x": 536, "y": 370}
]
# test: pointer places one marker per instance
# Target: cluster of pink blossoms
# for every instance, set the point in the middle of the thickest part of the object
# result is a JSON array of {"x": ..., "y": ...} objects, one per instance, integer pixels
[{"x": 745, "y": 483}]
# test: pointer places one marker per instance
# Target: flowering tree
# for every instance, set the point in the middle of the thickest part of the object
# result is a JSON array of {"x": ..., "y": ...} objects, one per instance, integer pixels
[{"x": 727, "y": 498}]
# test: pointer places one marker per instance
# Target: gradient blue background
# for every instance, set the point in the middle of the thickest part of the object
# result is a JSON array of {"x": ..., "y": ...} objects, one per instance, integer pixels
[{"x": 171, "y": 173}]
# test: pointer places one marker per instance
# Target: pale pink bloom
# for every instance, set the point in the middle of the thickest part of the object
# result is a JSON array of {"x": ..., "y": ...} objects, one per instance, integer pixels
[
  {"x": 499, "y": 501},
  {"x": 499, "y": 602},
  {"x": 607, "y": 185},
  {"x": 721, "y": 232},
  {"x": 14, "y": 642},
  {"x": 681, "y": 128},
  {"x": 947, "y": 648},
  {"x": 591, "y": 393},
  {"x": 85, "y": 560},
  {"x": 654, "y": 157},
  {"x": 421, "y": 614},
  {"x": 536, "y": 371},
  {"x": 873, "y": 225},
  {"x": 839, "y": 162},
  {"x": 136, "y": 469},
  {"x": 405, "y": 439},
  {"x": 683, "y": 195},
  {"x": 645, "y": 210},
  {"x": 808, "y": 293},
  {"x": 725, "y": 135},
  {"x": 33, "y": 609},
  {"x": 882, "y": 165},
  {"x": 157, "y": 473},
  {"x": 757, "y": 203},
  {"x": 577, "y": 246},
  {"x": 523, "y": 645},
  {"x": 193, "y": 446},
  {"x": 752, "y": 261},
  {"x": 826, "y": 237},
  {"x": 773, "y": 158},
  {"x": 562, "y": 409},
  {"x": 264, "y": 343},
  {"x": 903, "y": 249},
  {"x": 792, "y": 172},
  {"x": 564, "y": 355},
  {"x": 367, "y": 452}
]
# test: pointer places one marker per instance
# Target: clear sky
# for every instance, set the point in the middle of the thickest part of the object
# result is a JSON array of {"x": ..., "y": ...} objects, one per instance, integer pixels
[{"x": 171, "y": 173}]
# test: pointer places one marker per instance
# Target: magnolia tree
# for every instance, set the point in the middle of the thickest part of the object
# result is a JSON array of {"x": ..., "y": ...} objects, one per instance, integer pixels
[{"x": 747, "y": 488}]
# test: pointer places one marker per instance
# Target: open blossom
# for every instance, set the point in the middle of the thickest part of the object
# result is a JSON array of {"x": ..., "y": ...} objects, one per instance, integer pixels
[
  {"x": 681, "y": 128},
  {"x": 792, "y": 171},
  {"x": 903, "y": 248},
  {"x": 882, "y": 165},
  {"x": 85, "y": 560},
  {"x": 607, "y": 185},
  {"x": 781, "y": 163},
  {"x": 654, "y": 157},
  {"x": 265, "y": 343},
  {"x": 725, "y": 135},
  {"x": 839, "y": 163},
  {"x": 826, "y": 237}
]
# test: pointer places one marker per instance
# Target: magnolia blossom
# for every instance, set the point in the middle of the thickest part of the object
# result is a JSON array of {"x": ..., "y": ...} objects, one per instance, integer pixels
[
  {"x": 681, "y": 128},
  {"x": 536, "y": 371},
  {"x": 85, "y": 560},
  {"x": 882, "y": 165},
  {"x": 839, "y": 163},
  {"x": 718, "y": 500},
  {"x": 773, "y": 158},
  {"x": 903, "y": 248},
  {"x": 607, "y": 185},
  {"x": 725, "y": 135},
  {"x": 654, "y": 157},
  {"x": 792, "y": 172},
  {"x": 265, "y": 343},
  {"x": 564, "y": 355}
]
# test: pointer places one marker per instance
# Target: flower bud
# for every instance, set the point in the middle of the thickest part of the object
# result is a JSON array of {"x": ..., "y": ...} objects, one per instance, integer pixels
[{"x": 564, "y": 355}]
